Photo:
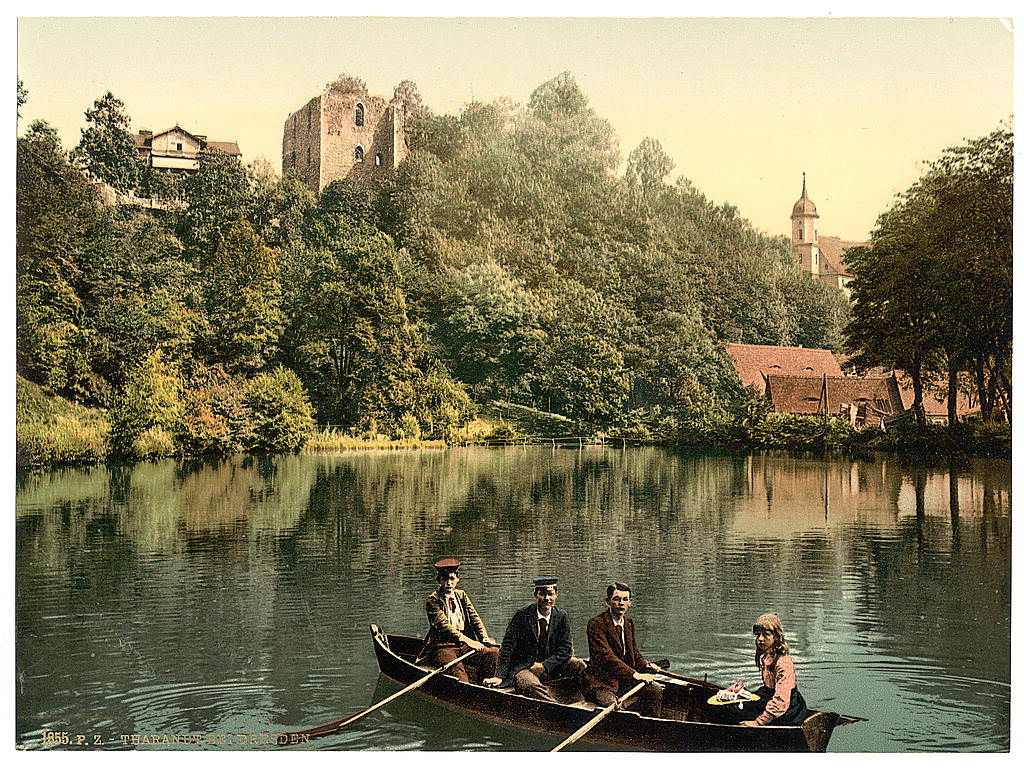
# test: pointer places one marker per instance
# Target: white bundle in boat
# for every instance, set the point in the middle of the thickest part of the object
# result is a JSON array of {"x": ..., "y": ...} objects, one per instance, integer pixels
[{"x": 731, "y": 696}]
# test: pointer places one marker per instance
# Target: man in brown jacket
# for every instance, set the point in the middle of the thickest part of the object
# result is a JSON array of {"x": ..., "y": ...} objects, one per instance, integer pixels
[
  {"x": 456, "y": 628},
  {"x": 616, "y": 665}
]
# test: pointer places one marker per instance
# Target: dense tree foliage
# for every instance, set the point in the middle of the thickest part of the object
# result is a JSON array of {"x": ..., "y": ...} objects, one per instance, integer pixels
[
  {"x": 934, "y": 294},
  {"x": 107, "y": 149},
  {"x": 509, "y": 259}
]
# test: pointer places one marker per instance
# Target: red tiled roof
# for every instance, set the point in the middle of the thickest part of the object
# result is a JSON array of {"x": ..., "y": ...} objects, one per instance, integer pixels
[
  {"x": 831, "y": 250},
  {"x": 142, "y": 141},
  {"x": 933, "y": 399},
  {"x": 231, "y": 148},
  {"x": 754, "y": 362},
  {"x": 874, "y": 397},
  {"x": 794, "y": 394}
]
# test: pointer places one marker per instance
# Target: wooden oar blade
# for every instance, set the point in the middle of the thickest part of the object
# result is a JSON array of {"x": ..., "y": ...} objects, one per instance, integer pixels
[
  {"x": 339, "y": 724},
  {"x": 600, "y": 715},
  {"x": 285, "y": 739},
  {"x": 846, "y": 719}
]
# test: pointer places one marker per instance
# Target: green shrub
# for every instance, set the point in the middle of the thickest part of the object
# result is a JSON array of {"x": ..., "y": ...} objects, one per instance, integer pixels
[
  {"x": 282, "y": 418},
  {"x": 215, "y": 418},
  {"x": 991, "y": 439},
  {"x": 441, "y": 403},
  {"x": 408, "y": 427},
  {"x": 153, "y": 443},
  {"x": 503, "y": 430},
  {"x": 151, "y": 398}
]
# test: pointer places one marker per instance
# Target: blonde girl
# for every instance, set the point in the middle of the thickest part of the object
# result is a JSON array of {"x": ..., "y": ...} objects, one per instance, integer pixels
[{"x": 780, "y": 702}]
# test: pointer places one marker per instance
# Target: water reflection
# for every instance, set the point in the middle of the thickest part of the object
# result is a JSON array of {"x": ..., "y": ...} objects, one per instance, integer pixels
[{"x": 172, "y": 597}]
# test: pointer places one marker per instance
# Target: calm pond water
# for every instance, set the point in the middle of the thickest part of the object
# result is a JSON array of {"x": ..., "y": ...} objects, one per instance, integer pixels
[{"x": 191, "y": 598}]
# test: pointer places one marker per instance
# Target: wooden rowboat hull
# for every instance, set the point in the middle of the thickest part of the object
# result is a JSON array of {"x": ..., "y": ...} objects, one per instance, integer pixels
[{"x": 684, "y": 706}]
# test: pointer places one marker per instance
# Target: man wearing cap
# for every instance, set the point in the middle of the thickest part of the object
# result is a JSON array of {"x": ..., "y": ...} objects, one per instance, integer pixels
[
  {"x": 456, "y": 628},
  {"x": 537, "y": 646},
  {"x": 616, "y": 665}
]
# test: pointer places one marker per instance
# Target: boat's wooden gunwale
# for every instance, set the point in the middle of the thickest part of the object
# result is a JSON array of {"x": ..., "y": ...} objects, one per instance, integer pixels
[{"x": 622, "y": 729}]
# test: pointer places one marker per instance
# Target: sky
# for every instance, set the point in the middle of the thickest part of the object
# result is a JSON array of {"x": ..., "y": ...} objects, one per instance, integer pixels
[{"x": 744, "y": 106}]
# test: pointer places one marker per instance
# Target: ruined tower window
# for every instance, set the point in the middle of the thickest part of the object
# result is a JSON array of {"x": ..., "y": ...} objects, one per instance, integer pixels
[
  {"x": 378, "y": 159},
  {"x": 295, "y": 161},
  {"x": 359, "y": 115},
  {"x": 179, "y": 146},
  {"x": 309, "y": 156},
  {"x": 359, "y": 154}
]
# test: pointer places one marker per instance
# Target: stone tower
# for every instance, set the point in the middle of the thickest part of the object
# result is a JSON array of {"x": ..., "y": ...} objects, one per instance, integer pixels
[
  {"x": 345, "y": 133},
  {"x": 805, "y": 233}
]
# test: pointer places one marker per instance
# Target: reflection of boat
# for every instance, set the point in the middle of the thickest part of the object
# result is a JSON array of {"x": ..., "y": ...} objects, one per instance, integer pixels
[{"x": 685, "y": 725}]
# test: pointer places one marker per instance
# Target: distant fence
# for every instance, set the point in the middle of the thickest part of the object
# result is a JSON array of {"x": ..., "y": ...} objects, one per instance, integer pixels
[{"x": 579, "y": 441}]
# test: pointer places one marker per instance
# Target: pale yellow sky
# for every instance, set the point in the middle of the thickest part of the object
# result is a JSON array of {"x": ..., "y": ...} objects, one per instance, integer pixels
[{"x": 743, "y": 106}]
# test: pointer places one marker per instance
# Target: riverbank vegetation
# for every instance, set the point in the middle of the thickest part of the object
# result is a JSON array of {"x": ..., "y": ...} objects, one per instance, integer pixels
[{"x": 508, "y": 281}]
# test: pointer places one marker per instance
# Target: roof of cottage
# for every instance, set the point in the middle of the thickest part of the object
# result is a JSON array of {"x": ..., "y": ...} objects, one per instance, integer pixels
[
  {"x": 754, "y": 362},
  {"x": 832, "y": 395}
]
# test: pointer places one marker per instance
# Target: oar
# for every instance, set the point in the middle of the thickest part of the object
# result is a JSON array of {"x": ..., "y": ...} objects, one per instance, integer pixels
[
  {"x": 844, "y": 719},
  {"x": 338, "y": 724},
  {"x": 682, "y": 678},
  {"x": 285, "y": 739},
  {"x": 600, "y": 715}
]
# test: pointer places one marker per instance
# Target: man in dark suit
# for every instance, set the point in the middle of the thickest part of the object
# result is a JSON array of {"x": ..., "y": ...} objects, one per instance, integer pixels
[
  {"x": 616, "y": 665},
  {"x": 537, "y": 646},
  {"x": 456, "y": 628}
]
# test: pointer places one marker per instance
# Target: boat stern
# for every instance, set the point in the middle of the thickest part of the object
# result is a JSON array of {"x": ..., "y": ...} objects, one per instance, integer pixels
[{"x": 818, "y": 729}]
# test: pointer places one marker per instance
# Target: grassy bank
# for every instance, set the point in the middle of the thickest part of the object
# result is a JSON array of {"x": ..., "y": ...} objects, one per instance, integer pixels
[
  {"x": 52, "y": 430},
  {"x": 335, "y": 440}
]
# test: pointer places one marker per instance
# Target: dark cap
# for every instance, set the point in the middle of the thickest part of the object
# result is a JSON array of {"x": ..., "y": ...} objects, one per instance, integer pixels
[
  {"x": 545, "y": 581},
  {"x": 447, "y": 565}
]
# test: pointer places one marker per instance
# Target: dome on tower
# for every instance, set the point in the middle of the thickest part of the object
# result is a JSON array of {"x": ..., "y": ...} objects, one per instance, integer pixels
[{"x": 804, "y": 207}]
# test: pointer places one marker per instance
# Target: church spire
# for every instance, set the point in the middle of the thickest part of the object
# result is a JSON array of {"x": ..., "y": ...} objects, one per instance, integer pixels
[{"x": 805, "y": 230}]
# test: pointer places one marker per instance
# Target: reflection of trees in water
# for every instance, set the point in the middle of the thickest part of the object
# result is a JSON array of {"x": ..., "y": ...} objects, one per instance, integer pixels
[
  {"x": 269, "y": 569},
  {"x": 936, "y": 586},
  {"x": 165, "y": 573}
]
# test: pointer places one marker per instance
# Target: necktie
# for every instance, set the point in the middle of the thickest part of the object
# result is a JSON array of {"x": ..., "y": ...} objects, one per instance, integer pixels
[
  {"x": 451, "y": 603},
  {"x": 542, "y": 640}
]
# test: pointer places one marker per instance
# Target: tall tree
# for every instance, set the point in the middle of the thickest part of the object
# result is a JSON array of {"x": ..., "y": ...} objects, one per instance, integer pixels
[
  {"x": 243, "y": 299},
  {"x": 140, "y": 295},
  {"x": 57, "y": 210},
  {"x": 489, "y": 325},
  {"x": 971, "y": 214},
  {"x": 647, "y": 167},
  {"x": 106, "y": 148},
  {"x": 217, "y": 195},
  {"x": 933, "y": 294},
  {"x": 349, "y": 336}
]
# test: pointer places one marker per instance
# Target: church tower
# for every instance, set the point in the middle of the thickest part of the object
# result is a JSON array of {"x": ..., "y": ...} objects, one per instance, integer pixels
[{"x": 805, "y": 233}]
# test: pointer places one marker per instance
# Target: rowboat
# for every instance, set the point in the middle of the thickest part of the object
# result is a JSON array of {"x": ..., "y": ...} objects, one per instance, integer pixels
[{"x": 685, "y": 725}]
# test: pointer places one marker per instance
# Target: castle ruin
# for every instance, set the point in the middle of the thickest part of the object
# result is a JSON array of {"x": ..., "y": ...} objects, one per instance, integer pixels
[{"x": 346, "y": 133}]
